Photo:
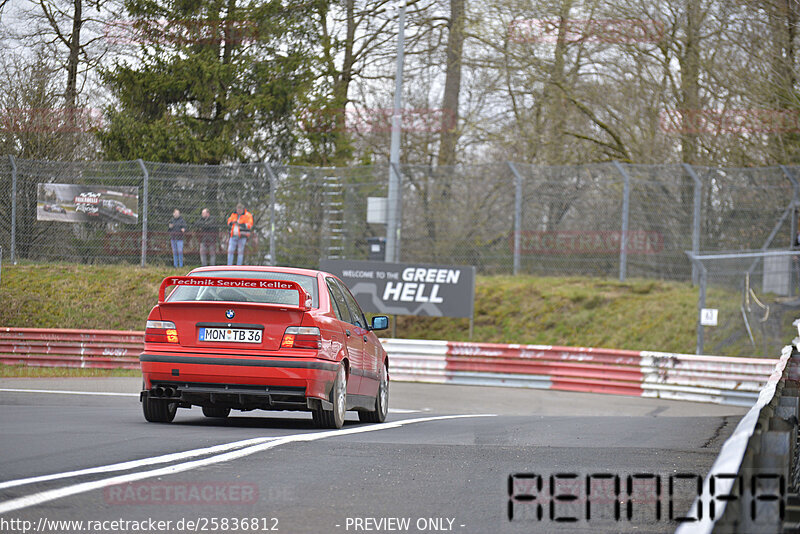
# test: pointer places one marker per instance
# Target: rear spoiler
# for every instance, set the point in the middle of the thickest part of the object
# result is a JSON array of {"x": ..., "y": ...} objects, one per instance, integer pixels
[{"x": 250, "y": 283}]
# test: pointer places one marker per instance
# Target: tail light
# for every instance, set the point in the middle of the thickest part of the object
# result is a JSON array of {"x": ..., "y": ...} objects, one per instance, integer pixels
[
  {"x": 301, "y": 337},
  {"x": 160, "y": 332}
]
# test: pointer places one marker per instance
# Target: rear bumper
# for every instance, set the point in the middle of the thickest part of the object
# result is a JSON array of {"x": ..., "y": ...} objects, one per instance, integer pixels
[{"x": 261, "y": 381}]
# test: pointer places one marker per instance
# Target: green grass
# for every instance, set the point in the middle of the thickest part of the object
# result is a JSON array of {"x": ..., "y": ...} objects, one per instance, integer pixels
[
  {"x": 111, "y": 297},
  {"x": 19, "y": 371},
  {"x": 589, "y": 312}
]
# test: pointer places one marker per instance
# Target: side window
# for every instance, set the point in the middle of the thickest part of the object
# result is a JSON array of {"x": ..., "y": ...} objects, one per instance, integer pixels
[
  {"x": 355, "y": 310},
  {"x": 337, "y": 300}
]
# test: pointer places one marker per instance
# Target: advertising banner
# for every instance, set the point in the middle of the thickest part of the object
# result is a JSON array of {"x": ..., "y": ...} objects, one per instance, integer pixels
[
  {"x": 408, "y": 288},
  {"x": 86, "y": 203}
]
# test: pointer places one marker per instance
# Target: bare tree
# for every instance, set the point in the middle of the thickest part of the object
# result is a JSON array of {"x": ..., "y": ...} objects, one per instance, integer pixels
[
  {"x": 358, "y": 52},
  {"x": 77, "y": 29},
  {"x": 353, "y": 33},
  {"x": 452, "y": 84},
  {"x": 33, "y": 124}
]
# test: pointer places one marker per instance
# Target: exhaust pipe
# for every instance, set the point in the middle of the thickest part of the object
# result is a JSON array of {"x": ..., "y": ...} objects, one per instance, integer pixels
[
  {"x": 169, "y": 392},
  {"x": 158, "y": 391}
]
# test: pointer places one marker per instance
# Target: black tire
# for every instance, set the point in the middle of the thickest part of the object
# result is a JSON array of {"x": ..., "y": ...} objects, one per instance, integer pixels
[
  {"x": 378, "y": 415},
  {"x": 216, "y": 412},
  {"x": 157, "y": 410},
  {"x": 334, "y": 418}
]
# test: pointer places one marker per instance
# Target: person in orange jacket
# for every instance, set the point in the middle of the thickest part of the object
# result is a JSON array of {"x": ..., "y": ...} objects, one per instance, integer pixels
[{"x": 240, "y": 223}]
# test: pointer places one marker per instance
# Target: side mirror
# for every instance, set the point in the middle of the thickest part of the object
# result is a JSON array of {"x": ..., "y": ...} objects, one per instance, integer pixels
[{"x": 380, "y": 322}]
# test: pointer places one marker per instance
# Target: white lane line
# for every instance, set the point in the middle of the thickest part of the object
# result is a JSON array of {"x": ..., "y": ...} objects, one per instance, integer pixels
[
  {"x": 51, "y": 495},
  {"x": 111, "y": 394},
  {"x": 133, "y": 464},
  {"x": 66, "y": 392}
]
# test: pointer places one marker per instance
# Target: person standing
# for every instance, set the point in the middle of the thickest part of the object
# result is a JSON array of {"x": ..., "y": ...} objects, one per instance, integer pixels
[
  {"x": 177, "y": 229},
  {"x": 240, "y": 223},
  {"x": 207, "y": 228}
]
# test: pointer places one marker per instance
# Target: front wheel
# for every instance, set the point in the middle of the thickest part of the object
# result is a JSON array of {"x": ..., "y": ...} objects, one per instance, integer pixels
[
  {"x": 378, "y": 415},
  {"x": 158, "y": 410},
  {"x": 334, "y": 418}
]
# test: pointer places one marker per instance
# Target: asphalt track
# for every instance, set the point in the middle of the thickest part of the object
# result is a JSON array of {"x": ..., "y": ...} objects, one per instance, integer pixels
[{"x": 92, "y": 458}]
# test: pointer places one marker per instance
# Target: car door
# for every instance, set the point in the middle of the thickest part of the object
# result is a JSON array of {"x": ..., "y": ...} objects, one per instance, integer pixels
[
  {"x": 369, "y": 352},
  {"x": 354, "y": 342}
]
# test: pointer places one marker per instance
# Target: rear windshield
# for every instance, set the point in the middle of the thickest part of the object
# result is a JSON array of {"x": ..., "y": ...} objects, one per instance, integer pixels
[{"x": 248, "y": 294}]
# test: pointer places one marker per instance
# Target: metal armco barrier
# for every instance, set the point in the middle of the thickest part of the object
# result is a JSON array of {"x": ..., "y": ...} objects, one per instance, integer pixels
[
  {"x": 91, "y": 349},
  {"x": 713, "y": 379},
  {"x": 753, "y": 485}
]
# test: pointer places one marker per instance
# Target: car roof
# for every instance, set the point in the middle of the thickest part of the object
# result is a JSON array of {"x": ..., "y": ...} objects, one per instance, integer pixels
[{"x": 260, "y": 268}]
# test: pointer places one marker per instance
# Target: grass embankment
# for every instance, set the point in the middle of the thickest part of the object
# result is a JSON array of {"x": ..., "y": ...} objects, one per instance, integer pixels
[
  {"x": 103, "y": 297},
  {"x": 591, "y": 312},
  {"x": 586, "y": 312},
  {"x": 96, "y": 297}
]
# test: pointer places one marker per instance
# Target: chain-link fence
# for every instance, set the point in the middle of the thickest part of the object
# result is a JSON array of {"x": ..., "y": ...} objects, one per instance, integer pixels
[
  {"x": 570, "y": 219},
  {"x": 610, "y": 220},
  {"x": 458, "y": 215},
  {"x": 750, "y": 301}
]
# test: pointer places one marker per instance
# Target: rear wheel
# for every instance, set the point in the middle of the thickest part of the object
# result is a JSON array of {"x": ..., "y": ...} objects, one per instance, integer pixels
[
  {"x": 216, "y": 411},
  {"x": 334, "y": 418},
  {"x": 378, "y": 415},
  {"x": 158, "y": 410}
]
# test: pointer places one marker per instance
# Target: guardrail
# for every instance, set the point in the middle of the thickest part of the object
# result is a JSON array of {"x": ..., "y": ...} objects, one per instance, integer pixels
[
  {"x": 713, "y": 379},
  {"x": 754, "y": 482},
  {"x": 90, "y": 349},
  {"x": 716, "y": 379}
]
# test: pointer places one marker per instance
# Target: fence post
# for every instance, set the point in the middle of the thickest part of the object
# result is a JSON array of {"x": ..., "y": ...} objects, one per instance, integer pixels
[
  {"x": 793, "y": 223},
  {"x": 623, "y": 241},
  {"x": 698, "y": 191},
  {"x": 273, "y": 183},
  {"x": 145, "y": 192},
  {"x": 517, "y": 215},
  {"x": 795, "y": 201},
  {"x": 701, "y": 301},
  {"x": 13, "y": 209},
  {"x": 395, "y": 219}
]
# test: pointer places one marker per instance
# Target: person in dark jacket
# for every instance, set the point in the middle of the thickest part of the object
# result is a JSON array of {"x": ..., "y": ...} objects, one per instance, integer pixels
[
  {"x": 209, "y": 234},
  {"x": 177, "y": 229}
]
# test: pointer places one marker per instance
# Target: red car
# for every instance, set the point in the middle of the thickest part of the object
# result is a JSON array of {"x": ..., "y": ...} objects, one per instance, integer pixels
[{"x": 263, "y": 338}]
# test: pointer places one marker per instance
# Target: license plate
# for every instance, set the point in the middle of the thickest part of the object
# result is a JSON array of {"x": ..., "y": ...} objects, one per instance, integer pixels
[{"x": 230, "y": 335}]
